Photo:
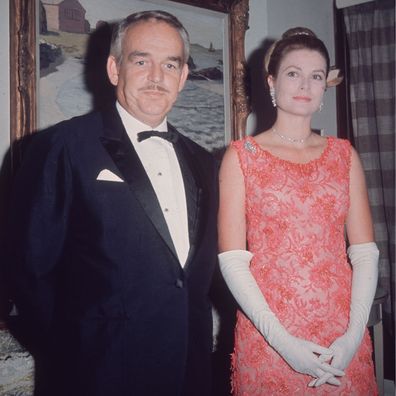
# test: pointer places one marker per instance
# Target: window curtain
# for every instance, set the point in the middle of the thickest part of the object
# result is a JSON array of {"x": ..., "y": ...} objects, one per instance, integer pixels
[{"x": 370, "y": 32}]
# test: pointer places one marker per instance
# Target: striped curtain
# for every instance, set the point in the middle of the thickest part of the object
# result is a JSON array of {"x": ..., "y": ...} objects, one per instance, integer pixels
[{"x": 370, "y": 31}]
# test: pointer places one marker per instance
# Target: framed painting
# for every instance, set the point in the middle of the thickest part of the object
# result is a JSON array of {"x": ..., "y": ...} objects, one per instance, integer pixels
[{"x": 59, "y": 48}]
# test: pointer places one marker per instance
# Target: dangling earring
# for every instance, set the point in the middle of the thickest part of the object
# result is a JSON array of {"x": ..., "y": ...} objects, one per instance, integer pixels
[
  {"x": 320, "y": 107},
  {"x": 273, "y": 99}
]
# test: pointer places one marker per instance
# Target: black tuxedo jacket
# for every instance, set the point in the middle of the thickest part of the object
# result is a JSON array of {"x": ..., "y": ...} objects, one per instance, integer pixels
[{"x": 98, "y": 286}]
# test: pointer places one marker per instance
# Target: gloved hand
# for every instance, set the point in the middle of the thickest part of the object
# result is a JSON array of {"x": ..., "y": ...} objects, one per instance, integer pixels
[
  {"x": 325, "y": 377},
  {"x": 364, "y": 260},
  {"x": 300, "y": 354}
]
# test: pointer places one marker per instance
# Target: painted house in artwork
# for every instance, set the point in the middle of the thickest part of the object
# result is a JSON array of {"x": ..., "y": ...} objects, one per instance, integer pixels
[{"x": 65, "y": 16}]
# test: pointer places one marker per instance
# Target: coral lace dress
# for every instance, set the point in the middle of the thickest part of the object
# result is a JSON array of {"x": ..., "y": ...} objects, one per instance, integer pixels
[{"x": 295, "y": 217}]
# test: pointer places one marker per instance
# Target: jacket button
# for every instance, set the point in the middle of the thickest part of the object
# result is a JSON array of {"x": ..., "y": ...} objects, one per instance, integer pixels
[{"x": 179, "y": 283}]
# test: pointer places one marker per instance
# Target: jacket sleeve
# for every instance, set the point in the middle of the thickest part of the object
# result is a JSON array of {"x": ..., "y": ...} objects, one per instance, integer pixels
[{"x": 37, "y": 227}]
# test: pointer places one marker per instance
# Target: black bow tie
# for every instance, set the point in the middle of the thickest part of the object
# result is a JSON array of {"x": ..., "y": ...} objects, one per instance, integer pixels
[{"x": 169, "y": 136}]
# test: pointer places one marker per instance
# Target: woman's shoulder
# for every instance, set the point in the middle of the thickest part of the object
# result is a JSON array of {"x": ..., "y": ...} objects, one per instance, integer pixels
[
  {"x": 342, "y": 145},
  {"x": 250, "y": 143},
  {"x": 337, "y": 140},
  {"x": 243, "y": 144},
  {"x": 237, "y": 143}
]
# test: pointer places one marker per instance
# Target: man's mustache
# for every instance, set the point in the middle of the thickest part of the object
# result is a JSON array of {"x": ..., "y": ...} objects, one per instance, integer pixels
[{"x": 154, "y": 87}]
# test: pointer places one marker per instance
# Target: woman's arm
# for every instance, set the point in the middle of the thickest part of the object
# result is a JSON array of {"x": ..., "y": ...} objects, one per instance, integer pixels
[
  {"x": 359, "y": 223},
  {"x": 231, "y": 216}
]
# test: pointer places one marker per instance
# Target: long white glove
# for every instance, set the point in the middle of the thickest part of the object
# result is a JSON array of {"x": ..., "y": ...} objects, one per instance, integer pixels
[
  {"x": 300, "y": 354},
  {"x": 364, "y": 260}
]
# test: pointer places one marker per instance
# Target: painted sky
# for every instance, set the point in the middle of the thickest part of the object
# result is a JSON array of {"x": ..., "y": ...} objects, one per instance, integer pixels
[{"x": 204, "y": 26}]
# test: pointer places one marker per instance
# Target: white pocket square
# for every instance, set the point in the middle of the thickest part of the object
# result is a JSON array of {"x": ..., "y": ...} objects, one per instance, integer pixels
[{"x": 105, "y": 174}]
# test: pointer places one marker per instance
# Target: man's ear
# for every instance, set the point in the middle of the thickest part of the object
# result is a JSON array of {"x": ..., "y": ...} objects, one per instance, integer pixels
[
  {"x": 112, "y": 70},
  {"x": 183, "y": 77}
]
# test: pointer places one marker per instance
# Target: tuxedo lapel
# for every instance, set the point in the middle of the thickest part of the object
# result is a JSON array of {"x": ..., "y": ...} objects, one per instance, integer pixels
[{"x": 122, "y": 152}]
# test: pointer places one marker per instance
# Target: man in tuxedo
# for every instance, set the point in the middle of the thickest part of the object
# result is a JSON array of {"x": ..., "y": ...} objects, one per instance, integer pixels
[{"x": 113, "y": 234}]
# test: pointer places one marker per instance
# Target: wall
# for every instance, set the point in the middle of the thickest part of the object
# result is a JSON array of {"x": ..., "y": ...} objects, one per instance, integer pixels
[{"x": 268, "y": 19}]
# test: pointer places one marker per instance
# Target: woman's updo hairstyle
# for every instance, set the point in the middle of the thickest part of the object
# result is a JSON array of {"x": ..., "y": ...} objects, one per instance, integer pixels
[{"x": 293, "y": 39}]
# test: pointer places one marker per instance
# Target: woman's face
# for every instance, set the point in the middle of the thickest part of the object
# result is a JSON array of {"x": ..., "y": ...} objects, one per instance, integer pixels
[{"x": 300, "y": 83}]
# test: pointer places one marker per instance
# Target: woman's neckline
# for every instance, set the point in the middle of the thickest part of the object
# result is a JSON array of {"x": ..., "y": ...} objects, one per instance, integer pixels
[{"x": 322, "y": 155}]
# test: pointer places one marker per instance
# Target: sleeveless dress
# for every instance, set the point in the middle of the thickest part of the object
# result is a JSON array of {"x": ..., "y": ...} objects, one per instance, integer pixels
[{"x": 295, "y": 216}]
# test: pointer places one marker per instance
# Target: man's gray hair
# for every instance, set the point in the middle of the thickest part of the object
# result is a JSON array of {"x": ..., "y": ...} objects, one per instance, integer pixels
[{"x": 121, "y": 28}]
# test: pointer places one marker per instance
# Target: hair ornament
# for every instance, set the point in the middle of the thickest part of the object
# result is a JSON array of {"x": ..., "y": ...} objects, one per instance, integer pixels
[
  {"x": 301, "y": 33},
  {"x": 334, "y": 77},
  {"x": 298, "y": 31}
]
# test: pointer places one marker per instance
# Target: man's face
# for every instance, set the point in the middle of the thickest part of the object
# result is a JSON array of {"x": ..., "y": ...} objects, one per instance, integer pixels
[{"x": 151, "y": 72}]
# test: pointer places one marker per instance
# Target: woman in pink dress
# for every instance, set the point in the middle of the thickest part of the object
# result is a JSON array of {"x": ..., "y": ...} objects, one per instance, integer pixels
[{"x": 288, "y": 197}]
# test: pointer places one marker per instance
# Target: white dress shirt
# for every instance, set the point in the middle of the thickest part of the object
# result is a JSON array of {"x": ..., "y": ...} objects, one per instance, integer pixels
[{"x": 162, "y": 167}]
